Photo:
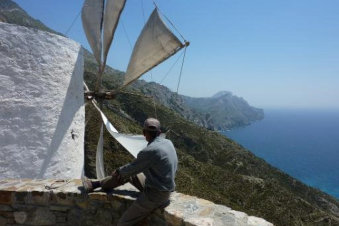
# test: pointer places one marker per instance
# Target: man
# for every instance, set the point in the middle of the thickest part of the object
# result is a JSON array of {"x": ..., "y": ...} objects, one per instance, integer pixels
[{"x": 152, "y": 172}]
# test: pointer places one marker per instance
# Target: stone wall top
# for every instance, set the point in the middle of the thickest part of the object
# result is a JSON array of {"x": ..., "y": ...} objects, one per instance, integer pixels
[{"x": 63, "y": 202}]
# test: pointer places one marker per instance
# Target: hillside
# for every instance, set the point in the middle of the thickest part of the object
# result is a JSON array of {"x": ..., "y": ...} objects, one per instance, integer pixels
[
  {"x": 10, "y": 12},
  {"x": 211, "y": 166}
]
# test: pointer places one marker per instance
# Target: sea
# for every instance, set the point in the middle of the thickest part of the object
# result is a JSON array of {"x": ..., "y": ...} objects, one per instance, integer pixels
[{"x": 302, "y": 143}]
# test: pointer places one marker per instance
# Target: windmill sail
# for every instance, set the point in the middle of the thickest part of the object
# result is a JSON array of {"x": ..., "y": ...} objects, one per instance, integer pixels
[
  {"x": 99, "y": 23},
  {"x": 132, "y": 143},
  {"x": 155, "y": 44},
  {"x": 99, "y": 158},
  {"x": 92, "y": 15},
  {"x": 112, "y": 14}
]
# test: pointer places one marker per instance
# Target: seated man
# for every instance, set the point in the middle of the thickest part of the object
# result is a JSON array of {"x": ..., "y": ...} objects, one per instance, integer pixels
[{"x": 152, "y": 172}]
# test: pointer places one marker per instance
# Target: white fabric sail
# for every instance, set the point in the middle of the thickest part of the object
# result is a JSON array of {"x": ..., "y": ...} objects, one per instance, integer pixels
[
  {"x": 132, "y": 143},
  {"x": 155, "y": 44},
  {"x": 99, "y": 158},
  {"x": 112, "y": 14},
  {"x": 92, "y": 16}
]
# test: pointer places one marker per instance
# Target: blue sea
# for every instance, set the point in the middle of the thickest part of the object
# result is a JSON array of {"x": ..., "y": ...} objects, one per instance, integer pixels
[{"x": 302, "y": 143}]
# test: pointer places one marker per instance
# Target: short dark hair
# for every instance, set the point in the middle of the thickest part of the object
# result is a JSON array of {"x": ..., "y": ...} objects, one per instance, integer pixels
[{"x": 153, "y": 134}]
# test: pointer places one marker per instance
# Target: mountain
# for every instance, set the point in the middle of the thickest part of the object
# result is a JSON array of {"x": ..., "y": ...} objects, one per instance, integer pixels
[
  {"x": 11, "y": 13},
  {"x": 211, "y": 166},
  {"x": 221, "y": 112},
  {"x": 224, "y": 110}
]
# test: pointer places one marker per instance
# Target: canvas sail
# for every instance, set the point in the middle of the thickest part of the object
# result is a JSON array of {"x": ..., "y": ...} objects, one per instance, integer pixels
[
  {"x": 99, "y": 158},
  {"x": 99, "y": 23},
  {"x": 92, "y": 16},
  {"x": 112, "y": 14},
  {"x": 155, "y": 44},
  {"x": 132, "y": 143}
]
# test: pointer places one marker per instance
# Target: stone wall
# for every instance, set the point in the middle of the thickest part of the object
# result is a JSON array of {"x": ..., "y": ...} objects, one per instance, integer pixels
[{"x": 62, "y": 202}]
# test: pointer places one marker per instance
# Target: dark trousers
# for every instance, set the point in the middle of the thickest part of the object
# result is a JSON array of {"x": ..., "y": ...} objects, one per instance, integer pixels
[{"x": 149, "y": 200}]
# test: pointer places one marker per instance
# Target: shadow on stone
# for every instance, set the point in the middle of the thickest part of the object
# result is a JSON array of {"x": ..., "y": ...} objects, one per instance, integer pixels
[{"x": 133, "y": 194}]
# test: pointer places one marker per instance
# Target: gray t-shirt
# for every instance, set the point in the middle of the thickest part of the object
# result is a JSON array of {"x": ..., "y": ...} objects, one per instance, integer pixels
[{"x": 158, "y": 161}]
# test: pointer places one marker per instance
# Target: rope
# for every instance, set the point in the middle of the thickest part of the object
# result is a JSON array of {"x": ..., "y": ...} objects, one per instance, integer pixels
[
  {"x": 185, "y": 41},
  {"x": 86, "y": 87},
  {"x": 150, "y": 72},
  {"x": 161, "y": 81},
  {"x": 169, "y": 21},
  {"x": 143, "y": 11},
  {"x": 144, "y": 18},
  {"x": 182, "y": 65},
  {"x": 69, "y": 28},
  {"x": 155, "y": 108},
  {"x": 90, "y": 115},
  {"x": 129, "y": 41},
  {"x": 52, "y": 186}
]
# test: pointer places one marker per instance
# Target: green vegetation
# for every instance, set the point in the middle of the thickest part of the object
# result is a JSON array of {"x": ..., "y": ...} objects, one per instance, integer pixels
[{"x": 211, "y": 166}]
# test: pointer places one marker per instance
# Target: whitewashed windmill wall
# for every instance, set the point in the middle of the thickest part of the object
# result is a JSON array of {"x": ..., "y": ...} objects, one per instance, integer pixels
[{"x": 41, "y": 105}]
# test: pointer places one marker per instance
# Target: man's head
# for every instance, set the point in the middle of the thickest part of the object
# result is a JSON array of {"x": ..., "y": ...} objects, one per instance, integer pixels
[{"x": 151, "y": 128}]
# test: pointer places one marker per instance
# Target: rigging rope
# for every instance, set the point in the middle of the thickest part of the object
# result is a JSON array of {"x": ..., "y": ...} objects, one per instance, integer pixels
[
  {"x": 129, "y": 41},
  {"x": 150, "y": 72},
  {"x": 169, "y": 21},
  {"x": 155, "y": 108},
  {"x": 54, "y": 186},
  {"x": 172, "y": 66},
  {"x": 143, "y": 11},
  {"x": 162, "y": 80},
  {"x": 182, "y": 65},
  {"x": 70, "y": 27},
  {"x": 185, "y": 41}
]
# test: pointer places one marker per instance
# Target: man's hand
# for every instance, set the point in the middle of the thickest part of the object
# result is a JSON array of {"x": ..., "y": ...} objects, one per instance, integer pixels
[
  {"x": 115, "y": 173},
  {"x": 116, "y": 176}
]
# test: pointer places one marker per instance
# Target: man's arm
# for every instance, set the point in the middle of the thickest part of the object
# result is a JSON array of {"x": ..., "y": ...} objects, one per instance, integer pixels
[{"x": 143, "y": 161}]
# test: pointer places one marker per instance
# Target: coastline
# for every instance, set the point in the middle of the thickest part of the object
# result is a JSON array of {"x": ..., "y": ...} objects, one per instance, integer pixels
[{"x": 301, "y": 143}]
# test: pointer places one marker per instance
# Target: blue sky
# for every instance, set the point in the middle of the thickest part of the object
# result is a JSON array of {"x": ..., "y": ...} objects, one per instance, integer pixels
[{"x": 273, "y": 53}]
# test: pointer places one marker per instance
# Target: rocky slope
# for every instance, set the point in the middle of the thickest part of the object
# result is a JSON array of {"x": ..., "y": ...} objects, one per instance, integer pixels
[
  {"x": 221, "y": 112},
  {"x": 224, "y": 110}
]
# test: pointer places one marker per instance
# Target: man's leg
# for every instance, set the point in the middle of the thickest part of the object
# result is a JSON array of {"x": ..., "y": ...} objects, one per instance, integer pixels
[
  {"x": 111, "y": 182},
  {"x": 148, "y": 201}
]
